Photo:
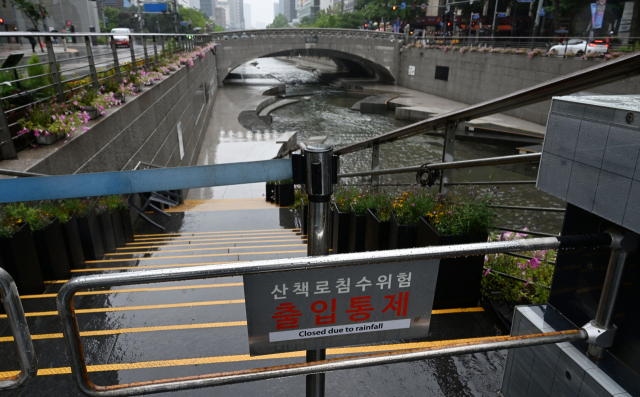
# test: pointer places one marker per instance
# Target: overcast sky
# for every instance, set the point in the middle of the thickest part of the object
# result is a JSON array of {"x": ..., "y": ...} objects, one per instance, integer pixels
[{"x": 261, "y": 10}]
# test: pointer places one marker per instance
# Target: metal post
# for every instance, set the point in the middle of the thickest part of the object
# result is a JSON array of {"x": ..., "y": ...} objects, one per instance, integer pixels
[
  {"x": 163, "y": 53},
  {"x": 610, "y": 291},
  {"x": 134, "y": 62},
  {"x": 318, "y": 167},
  {"x": 155, "y": 51},
  {"x": 7, "y": 148},
  {"x": 447, "y": 153},
  {"x": 116, "y": 64},
  {"x": 146, "y": 54},
  {"x": 495, "y": 16},
  {"x": 53, "y": 64},
  {"x": 92, "y": 64},
  {"x": 536, "y": 27},
  {"x": 375, "y": 165}
]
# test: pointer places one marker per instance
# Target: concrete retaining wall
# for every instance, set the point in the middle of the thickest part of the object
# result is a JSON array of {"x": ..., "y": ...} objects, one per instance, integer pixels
[
  {"x": 477, "y": 77},
  {"x": 144, "y": 129}
]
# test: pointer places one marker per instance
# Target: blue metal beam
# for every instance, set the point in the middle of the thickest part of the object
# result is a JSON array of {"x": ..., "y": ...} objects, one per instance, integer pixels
[{"x": 125, "y": 182}]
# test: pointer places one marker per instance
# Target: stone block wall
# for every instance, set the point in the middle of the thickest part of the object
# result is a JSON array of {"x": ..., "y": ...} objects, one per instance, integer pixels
[
  {"x": 477, "y": 77},
  {"x": 143, "y": 129}
]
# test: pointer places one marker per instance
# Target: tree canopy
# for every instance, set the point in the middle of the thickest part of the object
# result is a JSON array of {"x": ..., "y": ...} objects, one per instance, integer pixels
[
  {"x": 154, "y": 23},
  {"x": 35, "y": 12},
  {"x": 280, "y": 21}
]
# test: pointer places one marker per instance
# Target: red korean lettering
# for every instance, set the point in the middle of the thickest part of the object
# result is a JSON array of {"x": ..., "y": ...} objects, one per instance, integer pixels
[
  {"x": 398, "y": 305},
  {"x": 360, "y": 305},
  {"x": 320, "y": 307},
  {"x": 286, "y": 316}
]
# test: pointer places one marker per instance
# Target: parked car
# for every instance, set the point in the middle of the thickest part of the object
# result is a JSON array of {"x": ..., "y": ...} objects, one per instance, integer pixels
[
  {"x": 244, "y": 36},
  {"x": 225, "y": 37},
  {"x": 580, "y": 47},
  {"x": 121, "y": 41},
  {"x": 234, "y": 36}
]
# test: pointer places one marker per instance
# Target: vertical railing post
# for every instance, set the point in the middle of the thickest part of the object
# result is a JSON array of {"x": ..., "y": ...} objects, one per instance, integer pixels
[
  {"x": 92, "y": 63},
  {"x": 55, "y": 73},
  {"x": 164, "y": 54},
  {"x": 319, "y": 183},
  {"x": 7, "y": 147},
  {"x": 608, "y": 297},
  {"x": 134, "y": 61},
  {"x": 375, "y": 165},
  {"x": 146, "y": 54},
  {"x": 155, "y": 51},
  {"x": 116, "y": 64},
  {"x": 447, "y": 153}
]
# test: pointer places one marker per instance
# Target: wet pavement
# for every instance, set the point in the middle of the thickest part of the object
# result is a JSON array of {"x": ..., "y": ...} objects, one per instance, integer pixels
[{"x": 145, "y": 332}]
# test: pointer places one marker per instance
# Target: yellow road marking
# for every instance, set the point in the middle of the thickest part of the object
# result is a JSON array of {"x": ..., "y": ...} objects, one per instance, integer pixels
[
  {"x": 195, "y": 238},
  {"x": 220, "y": 232},
  {"x": 121, "y": 291},
  {"x": 203, "y": 249},
  {"x": 293, "y": 238},
  {"x": 194, "y": 256},
  {"x": 246, "y": 357},
  {"x": 104, "y": 269},
  {"x": 135, "y": 330},
  {"x": 130, "y": 308},
  {"x": 209, "y": 303}
]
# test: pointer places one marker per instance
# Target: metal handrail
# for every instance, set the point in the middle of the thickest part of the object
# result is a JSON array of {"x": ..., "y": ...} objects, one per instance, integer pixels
[
  {"x": 21, "y": 335},
  {"x": 515, "y": 159},
  {"x": 516, "y": 207},
  {"x": 616, "y": 69},
  {"x": 64, "y": 303},
  {"x": 19, "y": 173}
]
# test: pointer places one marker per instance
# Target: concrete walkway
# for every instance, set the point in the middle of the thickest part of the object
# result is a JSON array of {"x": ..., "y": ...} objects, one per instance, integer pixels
[
  {"x": 437, "y": 105},
  {"x": 227, "y": 141}
]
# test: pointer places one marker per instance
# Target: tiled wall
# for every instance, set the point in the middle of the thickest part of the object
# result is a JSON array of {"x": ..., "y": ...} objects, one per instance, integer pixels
[{"x": 555, "y": 370}]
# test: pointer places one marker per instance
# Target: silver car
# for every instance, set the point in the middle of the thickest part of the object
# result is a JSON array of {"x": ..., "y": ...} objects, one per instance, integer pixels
[{"x": 581, "y": 47}]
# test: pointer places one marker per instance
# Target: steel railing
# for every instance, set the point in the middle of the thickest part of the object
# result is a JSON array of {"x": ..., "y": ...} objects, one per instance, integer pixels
[
  {"x": 65, "y": 76},
  {"x": 73, "y": 341},
  {"x": 21, "y": 335}
]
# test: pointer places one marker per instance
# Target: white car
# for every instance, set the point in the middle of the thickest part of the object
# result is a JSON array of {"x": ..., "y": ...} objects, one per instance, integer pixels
[
  {"x": 580, "y": 47},
  {"x": 121, "y": 41}
]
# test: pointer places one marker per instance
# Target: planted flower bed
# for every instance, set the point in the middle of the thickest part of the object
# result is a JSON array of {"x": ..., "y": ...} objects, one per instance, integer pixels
[{"x": 46, "y": 241}]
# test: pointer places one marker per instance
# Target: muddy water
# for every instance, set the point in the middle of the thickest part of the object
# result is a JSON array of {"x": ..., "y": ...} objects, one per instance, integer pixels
[{"x": 326, "y": 112}]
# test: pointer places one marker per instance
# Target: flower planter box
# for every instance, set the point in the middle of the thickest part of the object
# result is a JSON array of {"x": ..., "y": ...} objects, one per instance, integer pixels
[
  {"x": 271, "y": 187},
  {"x": 401, "y": 236},
  {"x": 90, "y": 237},
  {"x": 91, "y": 111},
  {"x": 357, "y": 232},
  {"x": 377, "y": 234},
  {"x": 18, "y": 257},
  {"x": 106, "y": 232},
  {"x": 459, "y": 279},
  {"x": 286, "y": 194},
  {"x": 118, "y": 229},
  {"x": 340, "y": 243},
  {"x": 73, "y": 244},
  {"x": 137, "y": 88},
  {"x": 150, "y": 82},
  {"x": 127, "y": 226},
  {"x": 120, "y": 97},
  {"x": 52, "y": 253},
  {"x": 49, "y": 139}
]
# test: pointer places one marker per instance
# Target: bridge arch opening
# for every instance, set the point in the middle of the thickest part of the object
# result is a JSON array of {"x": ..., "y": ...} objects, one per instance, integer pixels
[{"x": 352, "y": 64}]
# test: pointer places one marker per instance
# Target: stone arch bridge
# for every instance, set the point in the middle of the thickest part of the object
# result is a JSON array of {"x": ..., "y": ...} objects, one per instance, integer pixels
[{"x": 377, "y": 53}]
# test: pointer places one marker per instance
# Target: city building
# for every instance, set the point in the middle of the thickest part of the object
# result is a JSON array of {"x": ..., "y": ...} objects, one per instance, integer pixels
[
  {"x": 289, "y": 10},
  {"x": 276, "y": 9},
  {"x": 208, "y": 7},
  {"x": 221, "y": 17},
  {"x": 348, "y": 5},
  {"x": 247, "y": 16},
  {"x": 236, "y": 14},
  {"x": 309, "y": 8},
  {"x": 82, "y": 15}
]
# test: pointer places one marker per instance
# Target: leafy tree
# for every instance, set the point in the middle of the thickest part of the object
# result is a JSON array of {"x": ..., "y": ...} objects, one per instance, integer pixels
[
  {"x": 280, "y": 21},
  {"x": 35, "y": 12}
]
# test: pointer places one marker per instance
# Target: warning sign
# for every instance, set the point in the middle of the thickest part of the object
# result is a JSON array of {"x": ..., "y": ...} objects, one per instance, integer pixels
[{"x": 316, "y": 309}]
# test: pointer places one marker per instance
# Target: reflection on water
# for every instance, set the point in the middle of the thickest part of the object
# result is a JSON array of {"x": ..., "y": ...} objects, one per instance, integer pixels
[{"x": 328, "y": 113}]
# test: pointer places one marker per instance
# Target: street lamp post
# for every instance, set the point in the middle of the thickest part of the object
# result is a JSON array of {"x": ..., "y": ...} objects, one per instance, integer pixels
[
  {"x": 495, "y": 16},
  {"x": 536, "y": 27}
]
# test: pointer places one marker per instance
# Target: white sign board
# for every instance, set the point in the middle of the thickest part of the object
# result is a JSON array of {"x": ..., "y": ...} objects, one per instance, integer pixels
[
  {"x": 412, "y": 70},
  {"x": 180, "y": 141}
]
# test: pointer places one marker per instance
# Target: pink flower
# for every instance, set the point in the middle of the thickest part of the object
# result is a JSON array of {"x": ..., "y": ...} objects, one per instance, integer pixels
[
  {"x": 47, "y": 133},
  {"x": 75, "y": 103},
  {"x": 528, "y": 281},
  {"x": 413, "y": 204},
  {"x": 35, "y": 146},
  {"x": 53, "y": 117},
  {"x": 487, "y": 272},
  {"x": 36, "y": 133},
  {"x": 521, "y": 266},
  {"x": 534, "y": 263},
  {"x": 85, "y": 128}
]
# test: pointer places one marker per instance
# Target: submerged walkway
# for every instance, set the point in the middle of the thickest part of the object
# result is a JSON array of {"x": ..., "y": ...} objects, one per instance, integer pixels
[{"x": 154, "y": 331}]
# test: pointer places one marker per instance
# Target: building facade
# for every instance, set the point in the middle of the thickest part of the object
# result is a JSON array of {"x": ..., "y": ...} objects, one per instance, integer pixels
[
  {"x": 82, "y": 15},
  {"x": 208, "y": 7},
  {"x": 309, "y": 8},
  {"x": 221, "y": 17},
  {"x": 290, "y": 10},
  {"x": 247, "y": 16},
  {"x": 236, "y": 14}
]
